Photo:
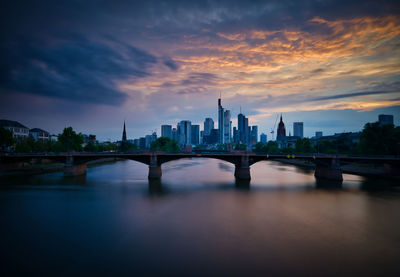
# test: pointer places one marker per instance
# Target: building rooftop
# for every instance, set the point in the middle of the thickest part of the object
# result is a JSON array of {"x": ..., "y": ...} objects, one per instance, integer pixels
[
  {"x": 38, "y": 130},
  {"x": 11, "y": 123}
]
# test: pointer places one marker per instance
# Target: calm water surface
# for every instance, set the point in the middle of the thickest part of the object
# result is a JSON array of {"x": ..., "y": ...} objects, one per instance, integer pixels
[{"x": 197, "y": 222}]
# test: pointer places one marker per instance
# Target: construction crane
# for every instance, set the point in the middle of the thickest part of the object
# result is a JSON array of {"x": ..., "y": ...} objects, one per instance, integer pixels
[{"x": 273, "y": 129}]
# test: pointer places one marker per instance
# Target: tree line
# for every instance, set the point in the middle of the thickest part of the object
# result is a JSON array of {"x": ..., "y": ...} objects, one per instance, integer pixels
[{"x": 375, "y": 139}]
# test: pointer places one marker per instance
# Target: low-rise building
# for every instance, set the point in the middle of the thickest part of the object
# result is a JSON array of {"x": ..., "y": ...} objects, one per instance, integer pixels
[
  {"x": 39, "y": 134},
  {"x": 19, "y": 131}
]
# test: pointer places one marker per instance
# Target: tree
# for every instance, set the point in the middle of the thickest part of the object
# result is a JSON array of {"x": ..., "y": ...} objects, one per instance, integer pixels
[
  {"x": 304, "y": 146},
  {"x": 164, "y": 144},
  {"x": 6, "y": 138},
  {"x": 380, "y": 140},
  {"x": 240, "y": 146},
  {"x": 91, "y": 147},
  {"x": 127, "y": 146},
  {"x": 272, "y": 147},
  {"x": 70, "y": 140}
]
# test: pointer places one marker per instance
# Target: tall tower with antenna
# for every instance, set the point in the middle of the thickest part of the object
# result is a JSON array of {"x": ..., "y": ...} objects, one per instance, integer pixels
[{"x": 221, "y": 121}]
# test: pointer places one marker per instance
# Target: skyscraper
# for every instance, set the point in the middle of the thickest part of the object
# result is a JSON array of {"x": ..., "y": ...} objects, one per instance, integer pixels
[
  {"x": 263, "y": 138},
  {"x": 385, "y": 119},
  {"x": 195, "y": 132},
  {"x": 124, "y": 133},
  {"x": 254, "y": 135},
  {"x": 221, "y": 123},
  {"x": 298, "y": 129},
  {"x": 175, "y": 134},
  {"x": 227, "y": 126},
  {"x": 243, "y": 124},
  {"x": 208, "y": 126},
  {"x": 235, "y": 135},
  {"x": 184, "y": 132},
  {"x": 166, "y": 131},
  {"x": 281, "y": 130}
]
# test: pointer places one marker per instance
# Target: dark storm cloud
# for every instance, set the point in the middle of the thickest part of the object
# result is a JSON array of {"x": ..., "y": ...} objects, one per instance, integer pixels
[
  {"x": 349, "y": 95},
  {"x": 75, "y": 69},
  {"x": 171, "y": 64}
]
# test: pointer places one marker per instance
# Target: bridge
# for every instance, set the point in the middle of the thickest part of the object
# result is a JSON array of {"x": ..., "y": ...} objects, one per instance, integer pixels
[{"x": 326, "y": 166}]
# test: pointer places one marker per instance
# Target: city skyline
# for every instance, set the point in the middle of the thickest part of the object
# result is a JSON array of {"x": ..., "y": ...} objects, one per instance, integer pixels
[{"x": 332, "y": 65}]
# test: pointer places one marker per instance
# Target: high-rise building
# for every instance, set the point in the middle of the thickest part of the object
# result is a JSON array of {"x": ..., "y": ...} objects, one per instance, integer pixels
[
  {"x": 166, "y": 131},
  {"x": 318, "y": 134},
  {"x": 385, "y": 119},
  {"x": 175, "y": 134},
  {"x": 148, "y": 141},
  {"x": 142, "y": 143},
  {"x": 212, "y": 138},
  {"x": 195, "y": 132},
  {"x": 263, "y": 138},
  {"x": 201, "y": 137},
  {"x": 184, "y": 132},
  {"x": 208, "y": 126},
  {"x": 227, "y": 126},
  {"x": 243, "y": 126},
  {"x": 221, "y": 123},
  {"x": 281, "y": 130},
  {"x": 124, "y": 133},
  {"x": 235, "y": 135},
  {"x": 298, "y": 129},
  {"x": 254, "y": 135}
]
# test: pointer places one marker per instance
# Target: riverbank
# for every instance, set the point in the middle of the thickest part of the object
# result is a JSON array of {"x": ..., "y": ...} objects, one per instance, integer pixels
[{"x": 48, "y": 167}]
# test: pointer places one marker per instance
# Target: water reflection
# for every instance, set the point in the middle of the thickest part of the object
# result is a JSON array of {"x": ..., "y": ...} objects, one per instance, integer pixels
[
  {"x": 157, "y": 188},
  {"x": 242, "y": 184},
  {"x": 197, "y": 217},
  {"x": 328, "y": 184}
]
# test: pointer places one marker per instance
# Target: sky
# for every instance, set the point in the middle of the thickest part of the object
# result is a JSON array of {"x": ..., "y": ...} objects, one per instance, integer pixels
[{"x": 334, "y": 65}]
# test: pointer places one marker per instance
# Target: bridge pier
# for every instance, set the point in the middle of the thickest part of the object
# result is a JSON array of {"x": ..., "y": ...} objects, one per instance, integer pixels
[
  {"x": 242, "y": 168},
  {"x": 71, "y": 169},
  {"x": 329, "y": 170},
  {"x": 154, "y": 168}
]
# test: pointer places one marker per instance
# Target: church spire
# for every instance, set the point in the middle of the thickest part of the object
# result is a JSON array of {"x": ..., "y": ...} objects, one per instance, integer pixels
[{"x": 124, "y": 133}]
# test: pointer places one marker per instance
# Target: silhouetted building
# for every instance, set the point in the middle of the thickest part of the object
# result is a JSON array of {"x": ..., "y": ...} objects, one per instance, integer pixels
[
  {"x": 318, "y": 134},
  {"x": 287, "y": 141},
  {"x": 195, "y": 129},
  {"x": 243, "y": 132},
  {"x": 184, "y": 133},
  {"x": 39, "y": 134},
  {"x": 124, "y": 133},
  {"x": 166, "y": 131},
  {"x": 235, "y": 135},
  {"x": 175, "y": 134},
  {"x": 263, "y": 138},
  {"x": 281, "y": 132},
  {"x": 18, "y": 130},
  {"x": 221, "y": 123},
  {"x": 208, "y": 126},
  {"x": 201, "y": 137},
  {"x": 212, "y": 138},
  {"x": 142, "y": 143},
  {"x": 385, "y": 119},
  {"x": 227, "y": 126},
  {"x": 298, "y": 130},
  {"x": 254, "y": 135},
  {"x": 148, "y": 141}
]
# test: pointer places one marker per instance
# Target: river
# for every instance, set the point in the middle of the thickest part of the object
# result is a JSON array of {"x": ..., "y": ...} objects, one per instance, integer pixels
[{"x": 197, "y": 222}]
